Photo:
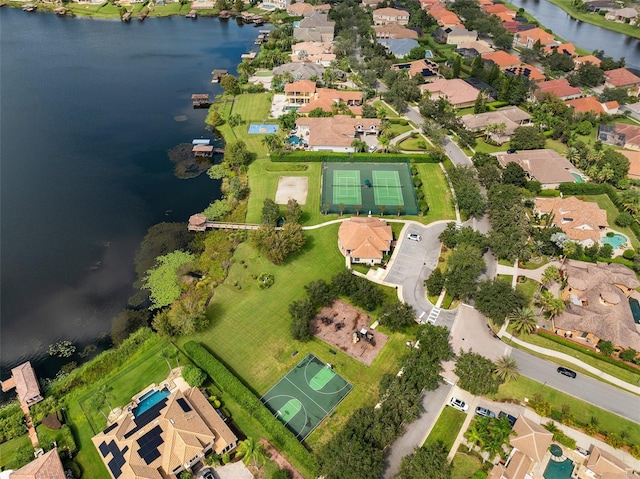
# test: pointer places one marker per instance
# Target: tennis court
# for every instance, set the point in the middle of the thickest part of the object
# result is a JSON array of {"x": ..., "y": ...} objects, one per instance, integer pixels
[
  {"x": 306, "y": 395},
  {"x": 368, "y": 187},
  {"x": 262, "y": 129}
]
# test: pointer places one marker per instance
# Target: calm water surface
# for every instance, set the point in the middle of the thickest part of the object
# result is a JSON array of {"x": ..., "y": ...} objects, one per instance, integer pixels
[{"x": 88, "y": 112}]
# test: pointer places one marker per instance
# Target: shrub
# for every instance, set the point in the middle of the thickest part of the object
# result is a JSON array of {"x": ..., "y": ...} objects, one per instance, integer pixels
[
  {"x": 329, "y": 157},
  {"x": 624, "y": 219},
  {"x": 629, "y": 254},
  {"x": 229, "y": 383},
  {"x": 435, "y": 282},
  {"x": 417, "y": 182},
  {"x": 194, "y": 376},
  {"x": 628, "y": 354}
]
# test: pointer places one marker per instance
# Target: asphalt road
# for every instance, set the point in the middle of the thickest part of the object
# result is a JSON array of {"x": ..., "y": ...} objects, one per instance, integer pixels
[
  {"x": 583, "y": 387},
  {"x": 454, "y": 152}
]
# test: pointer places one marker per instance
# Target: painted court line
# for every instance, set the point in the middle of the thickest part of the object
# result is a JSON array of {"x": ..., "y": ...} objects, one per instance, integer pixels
[
  {"x": 286, "y": 414},
  {"x": 311, "y": 399}
]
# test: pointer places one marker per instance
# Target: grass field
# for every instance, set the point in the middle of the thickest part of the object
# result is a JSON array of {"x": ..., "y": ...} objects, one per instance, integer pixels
[
  {"x": 437, "y": 193},
  {"x": 605, "y": 203},
  {"x": 464, "y": 466},
  {"x": 8, "y": 450},
  {"x": 446, "y": 428},
  {"x": 254, "y": 323},
  {"x": 253, "y": 108},
  {"x": 581, "y": 411},
  {"x": 528, "y": 288},
  {"x": 414, "y": 144},
  {"x": 386, "y": 108}
]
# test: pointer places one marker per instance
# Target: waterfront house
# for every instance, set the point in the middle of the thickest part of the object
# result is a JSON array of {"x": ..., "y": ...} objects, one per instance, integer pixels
[
  {"x": 529, "y": 38},
  {"x": 596, "y": 6},
  {"x": 327, "y": 99},
  {"x": 510, "y": 116},
  {"x": 586, "y": 59},
  {"x": 313, "y": 52},
  {"x": 299, "y": 9},
  {"x": 458, "y": 92},
  {"x": 583, "y": 222},
  {"x": 364, "y": 240},
  {"x": 300, "y": 92},
  {"x": 546, "y": 166},
  {"x": 315, "y": 28},
  {"x": 562, "y": 48},
  {"x": 622, "y": 15},
  {"x": 395, "y": 31},
  {"x": 335, "y": 133},
  {"x": 634, "y": 163},
  {"x": 621, "y": 134},
  {"x": 46, "y": 466},
  {"x": 622, "y": 78},
  {"x": 300, "y": 70},
  {"x": 559, "y": 88},
  {"x": 598, "y": 304},
  {"x": 382, "y": 16},
  {"x": 454, "y": 35}
]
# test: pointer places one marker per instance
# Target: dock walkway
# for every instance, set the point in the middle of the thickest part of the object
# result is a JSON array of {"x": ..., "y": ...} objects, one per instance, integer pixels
[{"x": 202, "y": 226}]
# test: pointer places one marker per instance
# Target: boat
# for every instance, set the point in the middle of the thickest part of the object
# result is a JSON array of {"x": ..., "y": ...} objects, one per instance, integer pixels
[
  {"x": 29, "y": 7},
  {"x": 192, "y": 14}
]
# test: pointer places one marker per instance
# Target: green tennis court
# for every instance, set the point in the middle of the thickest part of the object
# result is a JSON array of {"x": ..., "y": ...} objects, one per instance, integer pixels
[
  {"x": 368, "y": 188},
  {"x": 306, "y": 395},
  {"x": 346, "y": 187}
]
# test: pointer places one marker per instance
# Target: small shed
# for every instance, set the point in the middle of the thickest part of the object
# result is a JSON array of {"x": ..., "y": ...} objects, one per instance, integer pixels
[{"x": 202, "y": 151}]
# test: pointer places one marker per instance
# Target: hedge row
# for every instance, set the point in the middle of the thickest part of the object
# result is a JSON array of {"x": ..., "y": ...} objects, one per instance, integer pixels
[
  {"x": 330, "y": 157},
  {"x": 589, "y": 352},
  {"x": 229, "y": 383}
]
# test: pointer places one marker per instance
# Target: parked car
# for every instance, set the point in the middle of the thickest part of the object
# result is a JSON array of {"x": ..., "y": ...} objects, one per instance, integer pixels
[
  {"x": 567, "y": 372},
  {"x": 414, "y": 237},
  {"x": 372, "y": 148},
  {"x": 510, "y": 151},
  {"x": 208, "y": 475},
  {"x": 458, "y": 404},
  {"x": 512, "y": 420},
  {"x": 484, "y": 412}
]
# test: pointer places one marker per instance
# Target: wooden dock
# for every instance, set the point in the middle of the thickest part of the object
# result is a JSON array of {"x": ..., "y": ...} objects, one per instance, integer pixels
[
  {"x": 192, "y": 14},
  {"x": 199, "y": 222},
  {"x": 126, "y": 17},
  {"x": 200, "y": 100},
  {"x": 224, "y": 15},
  {"x": 218, "y": 74}
]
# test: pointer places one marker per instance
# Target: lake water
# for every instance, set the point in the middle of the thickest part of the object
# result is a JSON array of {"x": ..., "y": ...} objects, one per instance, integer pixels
[
  {"x": 88, "y": 113},
  {"x": 585, "y": 35}
]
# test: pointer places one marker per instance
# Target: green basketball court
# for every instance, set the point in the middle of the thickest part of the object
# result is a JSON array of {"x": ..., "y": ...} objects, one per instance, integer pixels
[
  {"x": 368, "y": 187},
  {"x": 306, "y": 395}
]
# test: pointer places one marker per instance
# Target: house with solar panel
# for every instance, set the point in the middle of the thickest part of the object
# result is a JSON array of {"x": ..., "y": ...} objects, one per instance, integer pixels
[{"x": 162, "y": 433}]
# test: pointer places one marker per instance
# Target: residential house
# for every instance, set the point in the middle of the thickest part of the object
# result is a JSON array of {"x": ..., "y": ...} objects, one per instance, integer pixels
[
  {"x": 590, "y": 104},
  {"x": 459, "y": 93},
  {"x": 400, "y": 47},
  {"x": 633, "y": 109},
  {"x": 634, "y": 163},
  {"x": 527, "y": 71},
  {"x": 596, "y": 6},
  {"x": 512, "y": 26},
  {"x": 582, "y": 221},
  {"x": 427, "y": 69},
  {"x": 586, "y": 59},
  {"x": 313, "y": 52},
  {"x": 46, "y": 466},
  {"x": 545, "y": 166},
  {"x": 395, "y": 31},
  {"x": 480, "y": 46},
  {"x": 300, "y": 70},
  {"x": 370, "y": 3},
  {"x": 622, "y": 15},
  {"x": 335, "y": 133},
  {"x": 563, "y": 48},
  {"x": 300, "y": 92},
  {"x": 170, "y": 436},
  {"x": 299, "y": 9},
  {"x": 505, "y": 14},
  {"x": 445, "y": 18},
  {"x": 559, "y": 88},
  {"x": 364, "y": 240},
  {"x": 382, "y": 16},
  {"x": 622, "y": 78},
  {"x": 274, "y": 4},
  {"x": 621, "y": 134},
  {"x": 530, "y": 442},
  {"x": 327, "y": 99},
  {"x": 529, "y": 38},
  {"x": 598, "y": 304},
  {"x": 24, "y": 379},
  {"x": 604, "y": 465},
  {"x": 315, "y": 28},
  {"x": 454, "y": 35},
  {"x": 503, "y": 59},
  {"x": 510, "y": 116}
]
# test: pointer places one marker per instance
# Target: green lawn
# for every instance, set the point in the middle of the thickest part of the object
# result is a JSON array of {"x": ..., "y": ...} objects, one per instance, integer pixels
[
  {"x": 612, "y": 213},
  {"x": 446, "y": 428},
  {"x": 175, "y": 8},
  {"x": 102, "y": 10},
  {"x": 250, "y": 327},
  {"x": 528, "y": 288},
  {"x": 414, "y": 144},
  {"x": 437, "y": 192},
  {"x": 582, "y": 412},
  {"x": 482, "y": 147},
  {"x": 400, "y": 129},
  {"x": 8, "y": 450},
  {"x": 464, "y": 466},
  {"x": 253, "y": 108},
  {"x": 383, "y": 105},
  {"x": 508, "y": 278}
]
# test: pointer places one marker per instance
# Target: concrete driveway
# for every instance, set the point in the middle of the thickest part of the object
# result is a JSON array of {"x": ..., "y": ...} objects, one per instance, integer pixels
[{"x": 412, "y": 263}]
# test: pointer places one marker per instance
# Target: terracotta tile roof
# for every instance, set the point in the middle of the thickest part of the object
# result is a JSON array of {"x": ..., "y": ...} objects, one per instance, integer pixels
[
  {"x": 502, "y": 59},
  {"x": 480, "y": 46},
  {"x": 365, "y": 238},
  {"x": 598, "y": 302},
  {"x": 631, "y": 132},
  {"x": 457, "y": 91},
  {"x": 511, "y": 26},
  {"x": 336, "y": 131},
  {"x": 586, "y": 105},
  {"x": 299, "y": 9},
  {"x": 506, "y": 16},
  {"x": 560, "y": 88},
  {"x": 390, "y": 13},
  {"x": 418, "y": 67},
  {"x": 47, "y": 466},
  {"x": 528, "y": 71},
  {"x": 580, "y": 220},
  {"x": 545, "y": 166},
  {"x": 27, "y": 385},
  {"x": 587, "y": 59},
  {"x": 327, "y": 98},
  {"x": 534, "y": 35},
  {"x": 634, "y": 162},
  {"x": 530, "y": 438},
  {"x": 304, "y": 86},
  {"x": 518, "y": 466},
  {"x": 497, "y": 8},
  {"x": 394, "y": 30},
  {"x": 621, "y": 77},
  {"x": 564, "y": 48},
  {"x": 606, "y": 465}
]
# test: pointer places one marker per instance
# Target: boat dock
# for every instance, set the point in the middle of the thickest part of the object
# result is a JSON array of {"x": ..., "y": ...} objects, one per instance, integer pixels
[
  {"x": 192, "y": 14},
  {"x": 224, "y": 15},
  {"x": 199, "y": 222},
  {"x": 218, "y": 74},
  {"x": 248, "y": 56},
  {"x": 126, "y": 17},
  {"x": 29, "y": 7},
  {"x": 200, "y": 100},
  {"x": 263, "y": 36}
]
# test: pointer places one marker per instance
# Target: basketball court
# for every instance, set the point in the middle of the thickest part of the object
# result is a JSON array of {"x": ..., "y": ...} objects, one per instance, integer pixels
[{"x": 306, "y": 395}]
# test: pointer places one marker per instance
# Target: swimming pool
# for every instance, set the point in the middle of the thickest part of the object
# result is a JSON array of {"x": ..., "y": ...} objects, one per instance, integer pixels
[
  {"x": 635, "y": 309},
  {"x": 616, "y": 240},
  {"x": 428, "y": 54},
  {"x": 559, "y": 470},
  {"x": 149, "y": 400},
  {"x": 577, "y": 177},
  {"x": 294, "y": 140}
]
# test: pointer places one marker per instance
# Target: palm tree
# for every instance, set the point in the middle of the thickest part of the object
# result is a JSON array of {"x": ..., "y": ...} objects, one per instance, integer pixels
[
  {"x": 357, "y": 208},
  {"x": 506, "y": 368},
  {"x": 555, "y": 307},
  {"x": 630, "y": 201},
  {"x": 550, "y": 275},
  {"x": 399, "y": 209},
  {"x": 474, "y": 435},
  {"x": 169, "y": 354},
  {"x": 573, "y": 155},
  {"x": 523, "y": 321},
  {"x": 251, "y": 450}
]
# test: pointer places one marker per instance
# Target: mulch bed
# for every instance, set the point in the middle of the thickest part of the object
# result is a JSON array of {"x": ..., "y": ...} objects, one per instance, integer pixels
[{"x": 336, "y": 324}]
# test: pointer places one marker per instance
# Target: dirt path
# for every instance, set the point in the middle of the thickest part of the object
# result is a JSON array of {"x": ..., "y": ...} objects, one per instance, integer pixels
[{"x": 279, "y": 459}]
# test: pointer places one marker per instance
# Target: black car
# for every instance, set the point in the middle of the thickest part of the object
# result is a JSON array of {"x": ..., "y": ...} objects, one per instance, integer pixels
[
  {"x": 511, "y": 151},
  {"x": 512, "y": 420},
  {"x": 567, "y": 372}
]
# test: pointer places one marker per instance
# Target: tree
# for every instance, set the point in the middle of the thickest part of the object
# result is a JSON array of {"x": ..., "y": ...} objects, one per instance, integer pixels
[
  {"x": 163, "y": 280},
  {"x": 435, "y": 282},
  {"x": 497, "y": 299},
  {"x": 606, "y": 347},
  {"x": 319, "y": 293},
  {"x": 587, "y": 75},
  {"x": 427, "y": 461},
  {"x": 463, "y": 269},
  {"x": 276, "y": 245},
  {"x": 550, "y": 274},
  {"x": 476, "y": 374},
  {"x": 628, "y": 354},
  {"x": 559, "y": 62},
  {"x": 185, "y": 315},
  {"x": 195, "y": 377},
  {"x": 527, "y": 138},
  {"x": 523, "y": 321},
  {"x": 270, "y": 212},
  {"x": 506, "y": 368},
  {"x": 302, "y": 312},
  {"x": 217, "y": 210},
  {"x": 237, "y": 155},
  {"x": 515, "y": 175},
  {"x": 397, "y": 315},
  {"x": 457, "y": 65},
  {"x": 229, "y": 84},
  {"x": 624, "y": 220},
  {"x": 293, "y": 211},
  {"x": 468, "y": 194},
  {"x": 168, "y": 354},
  {"x": 251, "y": 451}
]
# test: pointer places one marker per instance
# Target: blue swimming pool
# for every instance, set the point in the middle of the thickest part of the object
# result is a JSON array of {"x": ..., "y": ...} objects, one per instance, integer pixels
[
  {"x": 635, "y": 309},
  {"x": 577, "y": 177},
  {"x": 428, "y": 54},
  {"x": 294, "y": 140},
  {"x": 149, "y": 400},
  {"x": 616, "y": 240},
  {"x": 559, "y": 470}
]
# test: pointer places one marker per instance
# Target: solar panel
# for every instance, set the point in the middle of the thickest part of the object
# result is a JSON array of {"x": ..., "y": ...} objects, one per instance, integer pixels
[
  {"x": 149, "y": 445},
  {"x": 184, "y": 405},
  {"x": 115, "y": 468},
  {"x": 110, "y": 428},
  {"x": 104, "y": 449}
]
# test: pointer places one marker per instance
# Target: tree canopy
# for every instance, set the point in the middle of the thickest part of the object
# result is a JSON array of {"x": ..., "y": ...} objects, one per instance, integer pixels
[{"x": 476, "y": 374}]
